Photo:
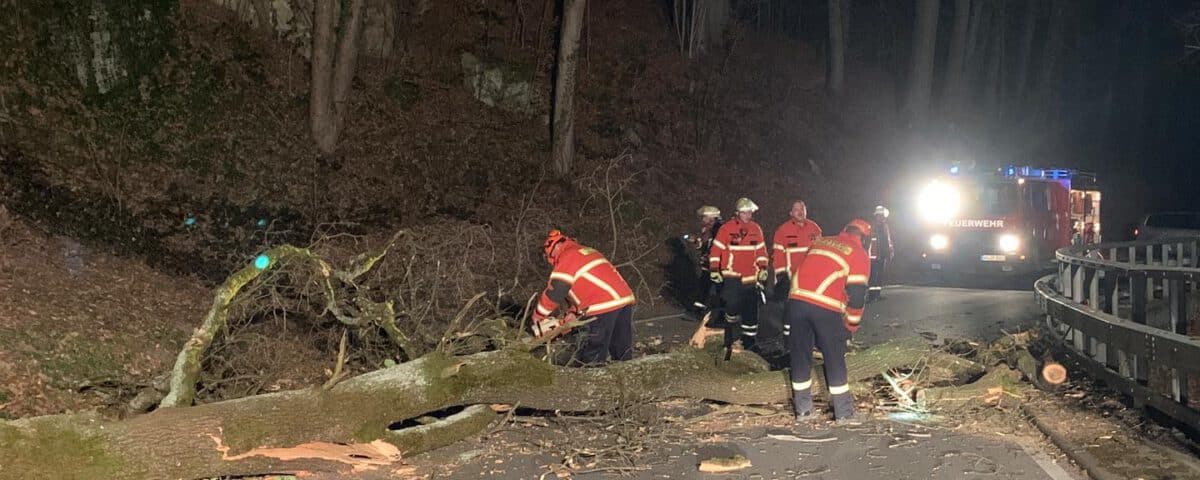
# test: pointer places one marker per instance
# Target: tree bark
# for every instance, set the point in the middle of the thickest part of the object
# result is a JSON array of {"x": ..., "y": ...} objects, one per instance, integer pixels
[
  {"x": 837, "y": 48},
  {"x": 564, "y": 90},
  {"x": 988, "y": 390},
  {"x": 1026, "y": 54},
  {"x": 1048, "y": 78},
  {"x": 921, "y": 77},
  {"x": 332, "y": 72},
  {"x": 955, "y": 76},
  {"x": 346, "y": 427}
]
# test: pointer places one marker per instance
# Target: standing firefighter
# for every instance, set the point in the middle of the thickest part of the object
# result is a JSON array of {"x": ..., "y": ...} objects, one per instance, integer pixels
[
  {"x": 881, "y": 252},
  {"x": 585, "y": 280},
  {"x": 790, "y": 245},
  {"x": 826, "y": 304},
  {"x": 738, "y": 260},
  {"x": 707, "y": 296}
]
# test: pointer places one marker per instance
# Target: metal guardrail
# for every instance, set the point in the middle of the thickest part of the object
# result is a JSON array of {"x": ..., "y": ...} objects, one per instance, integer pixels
[{"x": 1122, "y": 311}]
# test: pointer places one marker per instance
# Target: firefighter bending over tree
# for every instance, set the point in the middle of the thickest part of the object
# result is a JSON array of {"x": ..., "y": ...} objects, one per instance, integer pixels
[
  {"x": 738, "y": 260},
  {"x": 583, "y": 279},
  {"x": 825, "y": 305},
  {"x": 790, "y": 245},
  {"x": 881, "y": 252}
]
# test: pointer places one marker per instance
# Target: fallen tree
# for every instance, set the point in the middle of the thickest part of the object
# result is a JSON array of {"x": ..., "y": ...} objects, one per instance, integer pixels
[{"x": 346, "y": 427}]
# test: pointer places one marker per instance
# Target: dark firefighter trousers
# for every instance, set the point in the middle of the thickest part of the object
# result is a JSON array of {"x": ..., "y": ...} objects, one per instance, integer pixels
[
  {"x": 741, "y": 311},
  {"x": 811, "y": 326},
  {"x": 878, "y": 270},
  {"x": 610, "y": 334}
]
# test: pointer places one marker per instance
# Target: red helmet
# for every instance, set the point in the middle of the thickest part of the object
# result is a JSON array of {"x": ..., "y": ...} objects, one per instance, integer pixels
[
  {"x": 860, "y": 225},
  {"x": 553, "y": 238}
]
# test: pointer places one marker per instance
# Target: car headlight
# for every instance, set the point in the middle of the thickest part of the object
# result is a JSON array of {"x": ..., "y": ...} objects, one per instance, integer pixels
[
  {"x": 938, "y": 202},
  {"x": 1009, "y": 243},
  {"x": 939, "y": 242}
]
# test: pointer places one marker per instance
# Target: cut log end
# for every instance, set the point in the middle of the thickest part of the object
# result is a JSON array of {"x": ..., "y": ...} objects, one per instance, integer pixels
[{"x": 1054, "y": 373}]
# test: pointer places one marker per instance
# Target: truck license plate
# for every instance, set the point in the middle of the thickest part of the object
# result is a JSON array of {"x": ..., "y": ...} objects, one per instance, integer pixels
[
  {"x": 992, "y": 258},
  {"x": 936, "y": 266}
]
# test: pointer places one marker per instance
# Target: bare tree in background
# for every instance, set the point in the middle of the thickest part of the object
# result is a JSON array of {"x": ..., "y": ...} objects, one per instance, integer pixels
[
  {"x": 921, "y": 78},
  {"x": 956, "y": 80},
  {"x": 836, "y": 75},
  {"x": 564, "y": 87},
  {"x": 334, "y": 59},
  {"x": 1025, "y": 56}
]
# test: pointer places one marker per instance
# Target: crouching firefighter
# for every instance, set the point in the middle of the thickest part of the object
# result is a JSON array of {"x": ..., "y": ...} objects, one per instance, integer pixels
[
  {"x": 591, "y": 286},
  {"x": 825, "y": 305},
  {"x": 738, "y": 261}
]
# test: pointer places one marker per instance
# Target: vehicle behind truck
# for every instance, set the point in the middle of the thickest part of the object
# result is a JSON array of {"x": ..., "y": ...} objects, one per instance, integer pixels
[{"x": 1008, "y": 221}]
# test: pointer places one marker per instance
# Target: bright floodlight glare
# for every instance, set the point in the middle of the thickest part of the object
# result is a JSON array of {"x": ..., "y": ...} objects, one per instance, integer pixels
[
  {"x": 939, "y": 241},
  {"x": 1009, "y": 243},
  {"x": 938, "y": 202}
]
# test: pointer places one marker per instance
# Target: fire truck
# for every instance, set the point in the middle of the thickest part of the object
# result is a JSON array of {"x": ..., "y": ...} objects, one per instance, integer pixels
[{"x": 1008, "y": 221}]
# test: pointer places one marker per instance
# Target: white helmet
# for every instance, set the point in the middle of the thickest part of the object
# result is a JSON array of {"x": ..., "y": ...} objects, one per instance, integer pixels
[
  {"x": 745, "y": 205},
  {"x": 708, "y": 211},
  {"x": 882, "y": 210}
]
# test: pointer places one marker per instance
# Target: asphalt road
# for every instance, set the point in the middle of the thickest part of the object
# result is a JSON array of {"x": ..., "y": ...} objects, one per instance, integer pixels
[{"x": 881, "y": 448}]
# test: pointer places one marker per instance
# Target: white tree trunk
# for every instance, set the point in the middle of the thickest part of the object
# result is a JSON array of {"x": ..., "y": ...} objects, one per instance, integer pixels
[
  {"x": 1027, "y": 31},
  {"x": 921, "y": 77},
  {"x": 564, "y": 90}
]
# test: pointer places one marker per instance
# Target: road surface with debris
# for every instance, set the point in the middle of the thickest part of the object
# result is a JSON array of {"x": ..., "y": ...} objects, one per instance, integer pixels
[{"x": 880, "y": 448}]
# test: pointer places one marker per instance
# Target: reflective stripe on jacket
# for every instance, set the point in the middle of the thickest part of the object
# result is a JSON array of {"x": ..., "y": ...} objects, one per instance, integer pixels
[{"x": 834, "y": 276}]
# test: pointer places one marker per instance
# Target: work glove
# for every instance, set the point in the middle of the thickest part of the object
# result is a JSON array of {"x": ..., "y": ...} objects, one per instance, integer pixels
[
  {"x": 716, "y": 277},
  {"x": 762, "y": 276},
  {"x": 850, "y": 327}
]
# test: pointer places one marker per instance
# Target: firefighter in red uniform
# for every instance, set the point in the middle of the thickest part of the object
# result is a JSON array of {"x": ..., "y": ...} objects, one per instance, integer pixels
[
  {"x": 585, "y": 280},
  {"x": 738, "y": 259},
  {"x": 826, "y": 304},
  {"x": 790, "y": 245}
]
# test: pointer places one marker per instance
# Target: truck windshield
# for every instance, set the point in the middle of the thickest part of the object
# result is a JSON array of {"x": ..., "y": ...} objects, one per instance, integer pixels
[
  {"x": 992, "y": 199},
  {"x": 1182, "y": 221}
]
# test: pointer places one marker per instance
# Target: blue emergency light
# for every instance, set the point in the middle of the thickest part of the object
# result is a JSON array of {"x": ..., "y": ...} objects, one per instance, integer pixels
[{"x": 954, "y": 170}]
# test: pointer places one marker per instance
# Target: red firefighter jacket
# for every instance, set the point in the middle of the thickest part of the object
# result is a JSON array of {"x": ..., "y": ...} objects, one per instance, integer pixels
[
  {"x": 738, "y": 251},
  {"x": 791, "y": 243},
  {"x": 586, "y": 280},
  {"x": 834, "y": 276}
]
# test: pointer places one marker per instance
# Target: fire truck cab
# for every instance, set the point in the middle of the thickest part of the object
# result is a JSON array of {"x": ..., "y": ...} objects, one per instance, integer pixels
[{"x": 1008, "y": 221}]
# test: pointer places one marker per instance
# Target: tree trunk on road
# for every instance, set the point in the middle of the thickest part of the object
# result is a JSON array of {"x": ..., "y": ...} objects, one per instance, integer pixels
[
  {"x": 332, "y": 72},
  {"x": 837, "y": 48},
  {"x": 564, "y": 90},
  {"x": 921, "y": 78},
  {"x": 278, "y": 432}
]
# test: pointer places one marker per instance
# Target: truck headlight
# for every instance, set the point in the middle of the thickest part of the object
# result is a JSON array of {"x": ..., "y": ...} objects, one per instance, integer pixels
[
  {"x": 1009, "y": 243},
  {"x": 939, "y": 242},
  {"x": 938, "y": 202}
]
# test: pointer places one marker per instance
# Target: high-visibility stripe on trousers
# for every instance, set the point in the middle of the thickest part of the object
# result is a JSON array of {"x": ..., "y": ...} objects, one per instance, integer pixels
[{"x": 813, "y": 326}]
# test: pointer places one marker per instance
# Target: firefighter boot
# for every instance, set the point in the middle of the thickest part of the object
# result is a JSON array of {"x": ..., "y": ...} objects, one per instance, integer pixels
[
  {"x": 843, "y": 408},
  {"x": 802, "y": 403}
]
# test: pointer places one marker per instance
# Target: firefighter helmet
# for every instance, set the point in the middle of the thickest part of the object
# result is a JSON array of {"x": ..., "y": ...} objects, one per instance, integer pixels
[
  {"x": 859, "y": 225},
  {"x": 882, "y": 210},
  {"x": 745, "y": 205},
  {"x": 708, "y": 211},
  {"x": 553, "y": 238}
]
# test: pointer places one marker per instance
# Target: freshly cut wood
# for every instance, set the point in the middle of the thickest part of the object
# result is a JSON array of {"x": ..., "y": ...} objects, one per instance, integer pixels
[
  {"x": 703, "y": 332},
  {"x": 1054, "y": 373},
  {"x": 252, "y": 435},
  {"x": 724, "y": 464}
]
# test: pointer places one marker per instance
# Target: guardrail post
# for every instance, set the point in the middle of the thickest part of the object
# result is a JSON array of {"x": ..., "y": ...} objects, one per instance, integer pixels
[
  {"x": 1179, "y": 324},
  {"x": 1112, "y": 286},
  {"x": 1094, "y": 290},
  {"x": 1077, "y": 272},
  {"x": 1149, "y": 279},
  {"x": 1064, "y": 278},
  {"x": 1137, "y": 298}
]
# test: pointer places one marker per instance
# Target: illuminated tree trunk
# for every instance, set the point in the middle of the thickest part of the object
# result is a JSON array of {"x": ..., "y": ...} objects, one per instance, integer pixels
[
  {"x": 955, "y": 74},
  {"x": 564, "y": 90},
  {"x": 837, "y": 48},
  {"x": 332, "y": 71},
  {"x": 921, "y": 78},
  {"x": 1025, "y": 56}
]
